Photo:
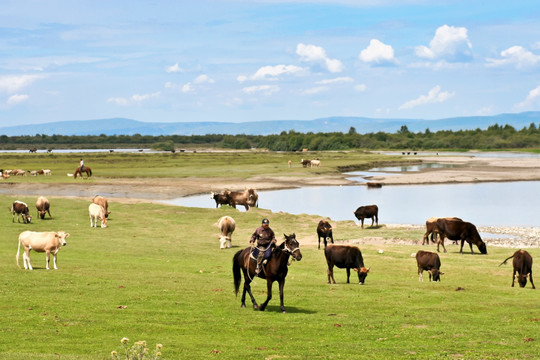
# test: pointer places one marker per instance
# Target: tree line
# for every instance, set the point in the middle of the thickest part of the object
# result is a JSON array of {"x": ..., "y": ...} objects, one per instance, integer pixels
[{"x": 494, "y": 137}]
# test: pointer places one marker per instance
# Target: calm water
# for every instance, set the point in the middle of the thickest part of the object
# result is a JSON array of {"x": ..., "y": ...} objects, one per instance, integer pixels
[{"x": 483, "y": 204}]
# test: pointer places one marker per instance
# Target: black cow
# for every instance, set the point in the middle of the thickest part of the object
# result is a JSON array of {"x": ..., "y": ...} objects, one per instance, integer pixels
[
  {"x": 223, "y": 198},
  {"x": 345, "y": 257},
  {"x": 460, "y": 230},
  {"x": 429, "y": 262},
  {"x": 523, "y": 266},
  {"x": 324, "y": 230},
  {"x": 369, "y": 211},
  {"x": 21, "y": 209}
]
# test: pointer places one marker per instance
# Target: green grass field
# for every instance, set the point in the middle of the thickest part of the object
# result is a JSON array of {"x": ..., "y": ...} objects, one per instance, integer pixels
[{"x": 157, "y": 274}]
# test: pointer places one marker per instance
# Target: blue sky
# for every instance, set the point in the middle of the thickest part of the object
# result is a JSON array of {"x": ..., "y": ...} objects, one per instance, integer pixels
[{"x": 235, "y": 61}]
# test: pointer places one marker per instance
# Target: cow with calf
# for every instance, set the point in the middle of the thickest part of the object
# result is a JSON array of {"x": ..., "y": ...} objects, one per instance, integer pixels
[{"x": 47, "y": 242}]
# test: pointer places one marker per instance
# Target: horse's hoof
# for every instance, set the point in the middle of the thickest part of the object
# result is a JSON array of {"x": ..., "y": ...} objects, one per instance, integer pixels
[
  {"x": 255, "y": 307},
  {"x": 243, "y": 305}
]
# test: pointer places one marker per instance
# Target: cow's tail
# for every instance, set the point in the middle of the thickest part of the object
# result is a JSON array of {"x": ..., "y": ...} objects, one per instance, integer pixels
[
  {"x": 236, "y": 272},
  {"x": 504, "y": 262},
  {"x": 18, "y": 250}
]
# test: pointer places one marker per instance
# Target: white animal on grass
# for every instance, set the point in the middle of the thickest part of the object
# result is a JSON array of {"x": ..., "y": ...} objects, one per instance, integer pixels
[
  {"x": 97, "y": 212},
  {"x": 226, "y": 225},
  {"x": 47, "y": 242}
]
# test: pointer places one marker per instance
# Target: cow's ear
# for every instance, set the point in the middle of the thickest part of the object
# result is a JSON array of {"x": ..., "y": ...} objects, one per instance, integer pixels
[
  {"x": 67, "y": 234},
  {"x": 355, "y": 269},
  {"x": 368, "y": 269}
]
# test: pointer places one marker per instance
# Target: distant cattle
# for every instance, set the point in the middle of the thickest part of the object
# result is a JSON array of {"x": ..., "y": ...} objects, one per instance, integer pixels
[
  {"x": 522, "y": 266},
  {"x": 289, "y": 163},
  {"x": 47, "y": 242},
  {"x": 460, "y": 230},
  {"x": 46, "y": 172},
  {"x": 248, "y": 197},
  {"x": 305, "y": 162},
  {"x": 21, "y": 209},
  {"x": 96, "y": 212},
  {"x": 18, "y": 172},
  {"x": 345, "y": 257},
  {"x": 100, "y": 200},
  {"x": 367, "y": 212},
  {"x": 430, "y": 262},
  {"x": 324, "y": 230},
  {"x": 43, "y": 207},
  {"x": 431, "y": 229},
  {"x": 315, "y": 162},
  {"x": 374, "y": 185},
  {"x": 226, "y": 225},
  {"x": 223, "y": 198}
]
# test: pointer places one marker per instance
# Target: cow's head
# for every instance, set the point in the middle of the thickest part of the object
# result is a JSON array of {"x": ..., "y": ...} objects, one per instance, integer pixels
[
  {"x": 435, "y": 274},
  {"x": 27, "y": 218},
  {"x": 225, "y": 241},
  {"x": 61, "y": 236},
  {"x": 522, "y": 279},
  {"x": 213, "y": 195},
  {"x": 42, "y": 214},
  {"x": 482, "y": 247},
  {"x": 362, "y": 274}
]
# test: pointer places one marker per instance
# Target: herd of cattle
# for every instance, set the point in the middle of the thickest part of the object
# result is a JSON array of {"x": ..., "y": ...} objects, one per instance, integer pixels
[
  {"x": 50, "y": 242},
  {"x": 4, "y": 174}
]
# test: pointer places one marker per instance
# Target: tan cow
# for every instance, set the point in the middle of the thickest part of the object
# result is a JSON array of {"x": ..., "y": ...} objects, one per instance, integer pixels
[
  {"x": 100, "y": 200},
  {"x": 47, "y": 242},
  {"x": 42, "y": 206},
  {"x": 97, "y": 212},
  {"x": 226, "y": 225}
]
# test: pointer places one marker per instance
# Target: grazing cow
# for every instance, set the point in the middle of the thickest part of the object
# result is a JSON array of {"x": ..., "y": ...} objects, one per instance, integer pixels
[
  {"x": 289, "y": 163},
  {"x": 315, "y": 162},
  {"x": 223, "y": 198},
  {"x": 18, "y": 172},
  {"x": 47, "y": 242},
  {"x": 42, "y": 206},
  {"x": 460, "y": 230},
  {"x": 21, "y": 209},
  {"x": 100, "y": 200},
  {"x": 523, "y": 266},
  {"x": 348, "y": 257},
  {"x": 97, "y": 212},
  {"x": 369, "y": 211},
  {"x": 226, "y": 225},
  {"x": 429, "y": 262},
  {"x": 33, "y": 172},
  {"x": 46, "y": 172},
  {"x": 324, "y": 230},
  {"x": 431, "y": 228},
  {"x": 247, "y": 198},
  {"x": 305, "y": 162}
]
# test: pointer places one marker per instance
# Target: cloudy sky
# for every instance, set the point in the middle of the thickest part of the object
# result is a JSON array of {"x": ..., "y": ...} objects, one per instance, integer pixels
[{"x": 250, "y": 60}]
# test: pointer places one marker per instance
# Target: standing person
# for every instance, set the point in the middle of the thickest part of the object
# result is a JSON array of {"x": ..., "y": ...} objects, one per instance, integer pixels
[
  {"x": 81, "y": 164},
  {"x": 266, "y": 240}
]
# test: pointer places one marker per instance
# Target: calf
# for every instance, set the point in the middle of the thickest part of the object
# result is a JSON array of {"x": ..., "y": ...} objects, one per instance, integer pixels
[
  {"x": 42, "y": 206},
  {"x": 347, "y": 257},
  {"x": 97, "y": 212},
  {"x": 369, "y": 211},
  {"x": 226, "y": 225},
  {"x": 223, "y": 198},
  {"x": 47, "y": 242},
  {"x": 324, "y": 230},
  {"x": 21, "y": 209},
  {"x": 100, "y": 200},
  {"x": 523, "y": 266},
  {"x": 429, "y": 262}
]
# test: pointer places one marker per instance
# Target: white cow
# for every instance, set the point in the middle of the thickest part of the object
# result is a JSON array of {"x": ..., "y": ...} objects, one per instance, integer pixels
[
  {"x": 315, "y": 162},
  {"x": 226, "y": 225},
  {"x": 97, "y": 212},
  {"x": 47, "y": 242}
]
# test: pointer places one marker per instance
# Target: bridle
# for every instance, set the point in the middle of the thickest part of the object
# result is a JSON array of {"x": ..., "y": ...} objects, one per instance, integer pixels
[{"x": 290, "y": 252}]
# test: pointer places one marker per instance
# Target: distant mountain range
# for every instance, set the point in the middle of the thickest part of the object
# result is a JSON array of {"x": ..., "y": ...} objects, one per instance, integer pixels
[{"x": 122, "y": 126}]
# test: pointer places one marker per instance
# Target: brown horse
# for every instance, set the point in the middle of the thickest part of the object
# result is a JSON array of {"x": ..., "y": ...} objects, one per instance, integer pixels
[
  {"x": 87, "y": 170},
  {"x": 275, "y": 270}
]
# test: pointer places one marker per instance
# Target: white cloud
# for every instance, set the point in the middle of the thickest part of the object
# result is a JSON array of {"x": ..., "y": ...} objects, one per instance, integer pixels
[
  {"x": 449, "y": 43},
  {"x": 264, "y": 89},
  {"x": 201, "y": 79},
  {"x": 533, "y": 96},
  {"x": 344, "y": 79},
  {"x": 118, "y": 101},
  {"x": 16, "y": 99},
  {"x": 134, "y": 99},
  {"x": 13, "y": 83},
  {"x": 187, "y": 88},
  {"x": 316, "y": 54},
  {"x": 434, "y": 96},
  {"x": 516, "y": 55},
  {"x": 174, "y": 69},
  {"x": 314, "y": 90},
  {"x": 271, "y": 72},
  {"x": 139, "y": 98},
  {"x": 360, "y": 87},
  {"x": 378, "y": 53}
]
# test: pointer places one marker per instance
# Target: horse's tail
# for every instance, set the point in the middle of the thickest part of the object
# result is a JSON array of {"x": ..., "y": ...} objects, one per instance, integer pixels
[
  {"x": 236, "y": 271},
  {"x": 90, "y": 171}
]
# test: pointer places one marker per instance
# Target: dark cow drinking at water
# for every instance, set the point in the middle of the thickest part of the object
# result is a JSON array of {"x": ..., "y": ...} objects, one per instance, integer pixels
[
  {"x": 324, "y": 230},
  {"x": 276, "y": 269},
  {"x": 367, "y": 212},
  {"x": 430, "y": 262},
  {"x": 345, "y": 257},
  {"x": 522, "y": 266},
  {"x": 460, "y": 230}
]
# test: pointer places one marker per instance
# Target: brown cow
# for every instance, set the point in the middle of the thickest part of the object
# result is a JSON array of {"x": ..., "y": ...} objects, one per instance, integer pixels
[
  {"x": 248, "y": 197},
  {"x": 429, "y": 262},
  {"x": 42, "y": 206},
  {"x": 100, "y": 200},
  {"x": 21, "y": 209},
  {"x": 47, "y": 242},
  {"x": 226, "y": 225},
  {"x": 460, "y": 230},
  {"x": 523, "y": 266},
  {"x": 431, "y": 228},
  {"x": 345, "y": 257},
  {"x": 369, "y": 211},
  {"x": 223, "y": 198},
  {"x": 324, "y": 230}
]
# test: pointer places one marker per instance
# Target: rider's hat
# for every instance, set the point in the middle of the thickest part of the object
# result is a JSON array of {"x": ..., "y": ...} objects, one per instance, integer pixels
[{"x": 265, "y": 221}]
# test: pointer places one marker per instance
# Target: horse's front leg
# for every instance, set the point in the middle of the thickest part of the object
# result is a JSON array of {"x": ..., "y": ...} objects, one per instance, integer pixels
[
  {"x": 269, "y": 282},
  {"x": 247, "y": 288},
  {"x": 281, "y": 286}
]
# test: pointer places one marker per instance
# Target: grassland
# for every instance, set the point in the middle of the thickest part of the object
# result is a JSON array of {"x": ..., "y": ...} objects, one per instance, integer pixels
[{"x": 157, "y": 274}]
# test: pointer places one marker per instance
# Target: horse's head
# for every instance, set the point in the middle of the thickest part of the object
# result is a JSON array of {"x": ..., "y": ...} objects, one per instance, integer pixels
[{"x": 291, "y": 246}]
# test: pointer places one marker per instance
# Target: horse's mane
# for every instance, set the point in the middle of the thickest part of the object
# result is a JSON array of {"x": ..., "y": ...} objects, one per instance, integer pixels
[{"x": 278, "y": 249}]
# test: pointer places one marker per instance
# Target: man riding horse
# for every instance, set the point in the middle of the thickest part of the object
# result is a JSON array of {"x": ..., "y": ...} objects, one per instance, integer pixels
[{"x": 266, "y": 241}]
